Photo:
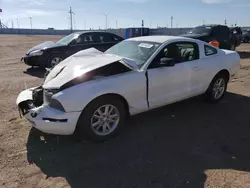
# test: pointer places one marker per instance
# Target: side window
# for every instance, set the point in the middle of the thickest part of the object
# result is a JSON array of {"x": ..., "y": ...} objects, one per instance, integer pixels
[
  {"x": 117, "y": 38},
  {"x": 210, "y": 50},
  {"x": 220, "y": 31},
  {"x": 106, "y": 38},
  {"x": 97, "y": 38},
  {"x": 181, "y": 52},
  {"x": 79, "y": 40},
  {"x": 83, "y": 39}
]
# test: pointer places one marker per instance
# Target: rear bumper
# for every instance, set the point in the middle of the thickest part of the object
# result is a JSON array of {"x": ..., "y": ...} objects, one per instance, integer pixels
[{"x": 45, "y": 118}]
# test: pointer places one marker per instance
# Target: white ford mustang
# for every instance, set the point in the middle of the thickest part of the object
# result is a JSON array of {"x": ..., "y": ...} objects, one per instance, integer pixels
[{"x": 91, "y": 93}]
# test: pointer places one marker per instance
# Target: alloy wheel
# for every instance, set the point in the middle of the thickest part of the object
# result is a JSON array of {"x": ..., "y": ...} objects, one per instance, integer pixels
[
  {"x": 105, "y": 120},
  {"x": 219, "y": 88},
  {"x": 55, "y": 61}
]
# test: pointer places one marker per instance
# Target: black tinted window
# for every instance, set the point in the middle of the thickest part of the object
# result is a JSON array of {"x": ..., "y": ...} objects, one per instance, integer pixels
[
  {"x": 221, "y": 31},
  {"x": 210, "y": 50},
  {"x": 108, "y": 37}
]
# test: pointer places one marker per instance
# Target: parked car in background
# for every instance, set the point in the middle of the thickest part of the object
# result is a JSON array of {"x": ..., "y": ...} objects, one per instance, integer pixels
[
  {"x": 236, "y": 36},
  {"x": 91, "y": 93},
  {"x": 246, "y": 36},
  {"x": 51, "y": 53},
  {"x": 220, "y": 33}
]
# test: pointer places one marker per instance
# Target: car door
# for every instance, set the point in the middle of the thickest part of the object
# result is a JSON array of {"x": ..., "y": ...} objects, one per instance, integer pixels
[{"x": 170, "y": 84}]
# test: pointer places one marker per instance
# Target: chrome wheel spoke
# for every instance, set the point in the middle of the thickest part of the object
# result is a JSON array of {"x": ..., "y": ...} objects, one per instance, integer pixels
[
  {"x": 100, "y": 112},
  {"x": 96, "y": 124},
  {"x": 105, "y": 120},
  {"x": 106, "y": 112},
  {"x": 107, "y": 126},
  {"x": 97, "y": 117}
]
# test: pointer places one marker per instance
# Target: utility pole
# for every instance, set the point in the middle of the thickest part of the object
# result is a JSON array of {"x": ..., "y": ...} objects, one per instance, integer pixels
[
  {"x": 12, "y": 24},
  {"x": 17, "y": 22},
  {"x": 30, "y": 22},
  {"x": 106, "y": 16},
  {"x": 172, "y": 18},
  {"x": 116, "y": 23},
  {"x": 142, "y": 27},
  {"x": 203, "y": 22},
  {"x": 225, "y": 21},
  {"x": 71, "y": 19},
  {"x": 74, "y": 21}
]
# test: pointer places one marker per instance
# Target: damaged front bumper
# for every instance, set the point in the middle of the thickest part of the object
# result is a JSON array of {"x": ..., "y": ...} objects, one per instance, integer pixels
[{"x": 42, "y": 116}]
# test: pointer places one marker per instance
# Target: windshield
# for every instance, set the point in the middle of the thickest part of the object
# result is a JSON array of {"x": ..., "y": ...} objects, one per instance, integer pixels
[
  {"x": 68, "y": 39},
  {"x": 201, "y": 30},
  {"x": 138, "y": 51}
]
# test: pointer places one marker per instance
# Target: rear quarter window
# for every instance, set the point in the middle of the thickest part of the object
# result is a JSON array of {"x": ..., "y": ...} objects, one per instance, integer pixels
[{"x": 210, "y": 50}]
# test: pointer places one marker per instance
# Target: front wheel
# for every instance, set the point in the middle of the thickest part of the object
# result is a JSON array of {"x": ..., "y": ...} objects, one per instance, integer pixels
[
  {"x": 217, "y": 88},
  {"x": 54, "y": 60},
  {"x": 102, "y": 119}
]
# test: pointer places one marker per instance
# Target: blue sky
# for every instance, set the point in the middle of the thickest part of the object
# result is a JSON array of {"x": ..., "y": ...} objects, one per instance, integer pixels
[{"x": 90, "y": 13}]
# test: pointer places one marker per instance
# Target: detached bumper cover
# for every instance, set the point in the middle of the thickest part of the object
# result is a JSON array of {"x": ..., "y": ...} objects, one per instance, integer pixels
[{"x": 45, "y": 118}]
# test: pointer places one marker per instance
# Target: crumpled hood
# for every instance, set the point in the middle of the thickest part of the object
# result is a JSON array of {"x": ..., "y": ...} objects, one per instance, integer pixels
[
  {"x": 45, "y": 45},
  {"x": 81, "y": 63}
]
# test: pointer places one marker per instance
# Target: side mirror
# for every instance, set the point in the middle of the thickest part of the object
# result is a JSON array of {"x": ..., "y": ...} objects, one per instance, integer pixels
[{"x": 167, "y": 62}]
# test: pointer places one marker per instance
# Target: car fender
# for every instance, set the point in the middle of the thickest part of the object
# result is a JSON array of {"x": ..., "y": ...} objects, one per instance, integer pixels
[{"x": 131, "y": 86}]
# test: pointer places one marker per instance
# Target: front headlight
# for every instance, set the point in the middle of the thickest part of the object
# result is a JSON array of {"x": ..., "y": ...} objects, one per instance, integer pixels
[
  {"x": 36, "y": 53},
  {"x": 56, "y": 105}
]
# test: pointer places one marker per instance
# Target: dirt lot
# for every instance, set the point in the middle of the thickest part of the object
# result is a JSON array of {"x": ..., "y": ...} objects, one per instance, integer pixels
[{"x": 189, "y": 144}]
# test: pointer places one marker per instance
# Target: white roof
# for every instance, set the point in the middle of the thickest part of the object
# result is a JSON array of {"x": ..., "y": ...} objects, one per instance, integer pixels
[{"x": 159, "y": 39}]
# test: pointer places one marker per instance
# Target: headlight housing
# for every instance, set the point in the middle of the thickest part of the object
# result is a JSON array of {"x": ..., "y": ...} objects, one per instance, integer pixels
[
  {"x": 56, "y": 105},
  {"x": 36, "y": 53}
]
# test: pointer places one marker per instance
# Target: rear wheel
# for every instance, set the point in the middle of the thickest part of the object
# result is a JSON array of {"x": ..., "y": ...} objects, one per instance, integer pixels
[
  {"x": 217, "y": 88},
  {"x": 102, "y": 119},
  {"x": 233, "y": 46}
]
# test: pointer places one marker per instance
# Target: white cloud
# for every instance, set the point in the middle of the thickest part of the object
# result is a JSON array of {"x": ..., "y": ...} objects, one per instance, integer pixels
[
  {"x": 215, "y": 1},
  {"x": 34, "y": 12}
]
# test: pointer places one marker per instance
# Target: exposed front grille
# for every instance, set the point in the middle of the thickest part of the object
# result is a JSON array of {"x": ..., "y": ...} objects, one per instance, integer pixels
[{"x": 47, "y": 95}]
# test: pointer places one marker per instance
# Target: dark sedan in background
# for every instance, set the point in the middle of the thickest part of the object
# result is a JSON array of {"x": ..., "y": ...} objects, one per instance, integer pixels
[{"x": 51, "y": 53}]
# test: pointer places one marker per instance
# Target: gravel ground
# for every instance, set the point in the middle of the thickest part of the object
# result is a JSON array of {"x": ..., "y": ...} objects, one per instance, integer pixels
[{"x": 188, "y": 144}]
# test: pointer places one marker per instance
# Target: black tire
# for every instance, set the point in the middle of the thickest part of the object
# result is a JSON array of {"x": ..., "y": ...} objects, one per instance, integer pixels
[
  {"x": 51, "y": 58},
  {"x": 210, "y": 95},
  {"x": 84, "y": 129}
]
